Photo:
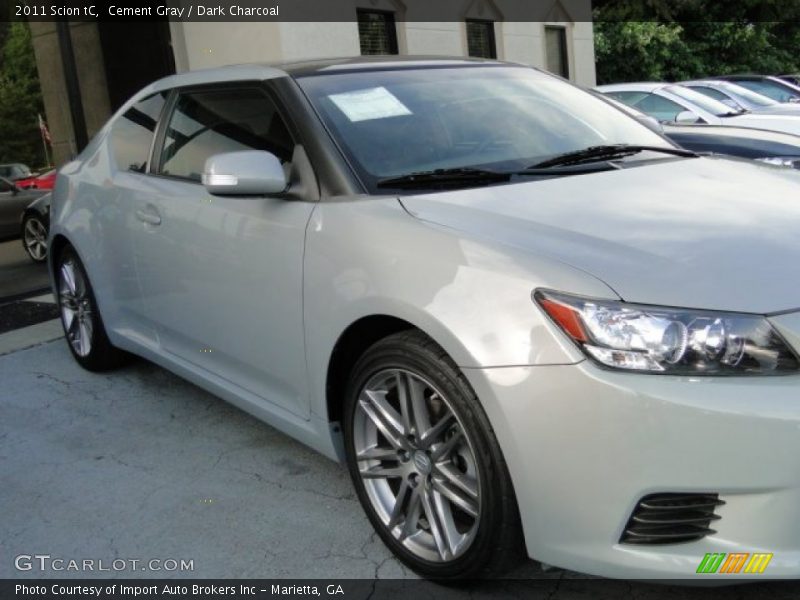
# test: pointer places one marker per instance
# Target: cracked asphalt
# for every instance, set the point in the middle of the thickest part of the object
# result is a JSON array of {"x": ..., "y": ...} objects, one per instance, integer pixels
[{"x": 140, "y": 464}]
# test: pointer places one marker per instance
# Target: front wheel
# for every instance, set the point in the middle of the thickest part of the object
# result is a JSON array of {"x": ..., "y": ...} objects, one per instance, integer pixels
[
  {"x": 425, "y": 462},
  {"x": 80, "y": 317}
]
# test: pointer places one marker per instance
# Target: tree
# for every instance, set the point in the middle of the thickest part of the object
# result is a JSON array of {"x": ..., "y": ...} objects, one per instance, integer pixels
[
  {"x": 20, "y": 99},
  {"x": 685, "y": 39}
]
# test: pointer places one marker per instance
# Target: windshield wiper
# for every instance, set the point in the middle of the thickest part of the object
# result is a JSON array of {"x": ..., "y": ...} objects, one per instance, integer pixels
[
  {"x": 606, "y": 152},
  {"x": 445, "y": 177},
  {"x": 468, "y": 176}
]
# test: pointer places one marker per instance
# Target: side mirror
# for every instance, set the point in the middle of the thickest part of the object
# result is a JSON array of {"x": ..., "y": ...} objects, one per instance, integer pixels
[
  {"x": 651, "y": 123},
  {"x": 245, "y": 173},
  {"x": 686, "y": 117}
]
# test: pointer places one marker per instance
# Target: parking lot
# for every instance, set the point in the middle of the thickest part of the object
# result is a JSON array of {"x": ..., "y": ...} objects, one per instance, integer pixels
[{"x": 138, "y": 464}]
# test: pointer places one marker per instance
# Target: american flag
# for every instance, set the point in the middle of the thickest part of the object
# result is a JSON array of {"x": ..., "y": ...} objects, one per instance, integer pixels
[{"x": 44, "y": 130}]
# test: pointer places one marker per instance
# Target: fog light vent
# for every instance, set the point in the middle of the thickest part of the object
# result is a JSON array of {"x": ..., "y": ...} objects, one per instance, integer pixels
[{"x": 671, "y": 519}]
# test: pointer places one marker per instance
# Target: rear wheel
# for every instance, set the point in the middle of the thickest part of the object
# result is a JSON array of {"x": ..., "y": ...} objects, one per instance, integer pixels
[
  {"x": 83, "y": 326},
  {"x": 425, "y": 462},
  {"x": 34, "y": 237}
]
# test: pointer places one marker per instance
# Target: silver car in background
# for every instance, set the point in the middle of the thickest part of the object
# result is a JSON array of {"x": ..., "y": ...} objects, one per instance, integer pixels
[
  {"x": 674, "y": 103},
  {"x": 740, "y": 98},
  {"x": 528, "y": 324}
]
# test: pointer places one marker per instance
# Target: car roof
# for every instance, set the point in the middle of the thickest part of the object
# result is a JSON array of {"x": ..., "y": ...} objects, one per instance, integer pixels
[
  {"x": 381, "y": 63},
  {"x": 257, "y": 72},
  {"x": 743, "y": 77},
  {"x": 642, "y": 86},
  {"x": 702, "y": 81}
]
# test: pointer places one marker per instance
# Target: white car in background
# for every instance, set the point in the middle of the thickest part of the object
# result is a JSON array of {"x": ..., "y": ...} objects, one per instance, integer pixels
[
  {"x": 673, "y": 103},
  {"x": 740, "y": 98}
]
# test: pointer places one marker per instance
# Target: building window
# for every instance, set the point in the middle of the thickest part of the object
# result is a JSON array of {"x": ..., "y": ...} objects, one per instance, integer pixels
[
  {"x": 556, "y": 50},
  {"x": 480, "y": 39},
  {"x": 377, "y": 32}
]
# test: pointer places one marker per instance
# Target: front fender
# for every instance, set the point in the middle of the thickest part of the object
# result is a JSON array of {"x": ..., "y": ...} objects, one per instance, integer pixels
[{"x": 370, "y": 257}]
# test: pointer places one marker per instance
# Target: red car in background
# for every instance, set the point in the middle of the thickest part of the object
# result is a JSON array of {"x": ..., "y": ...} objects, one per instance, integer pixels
[{"x": 45, "y": 181}]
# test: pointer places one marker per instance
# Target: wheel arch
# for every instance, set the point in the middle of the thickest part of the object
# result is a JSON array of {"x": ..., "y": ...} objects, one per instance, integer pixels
[
  {"x": 349, "y": 347},
  {"x": 57, "y": 245}
]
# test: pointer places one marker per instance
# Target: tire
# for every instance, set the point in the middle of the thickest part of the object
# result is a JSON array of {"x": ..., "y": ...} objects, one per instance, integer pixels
[
  {"x": 83, "y": 326},
  {"x": 453, "y": 470},
  {"x": 34, "y": 237}
]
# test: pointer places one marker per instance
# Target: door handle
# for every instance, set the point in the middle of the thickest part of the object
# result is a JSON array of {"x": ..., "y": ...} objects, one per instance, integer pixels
[{"x": 148, "y": 216}]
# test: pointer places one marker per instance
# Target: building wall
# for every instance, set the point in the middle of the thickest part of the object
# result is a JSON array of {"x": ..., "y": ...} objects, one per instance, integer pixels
[
  {"x": 91, "y": 77},
  {"x": 203, "y": 45},
  {"x": 198, "y": 45}
]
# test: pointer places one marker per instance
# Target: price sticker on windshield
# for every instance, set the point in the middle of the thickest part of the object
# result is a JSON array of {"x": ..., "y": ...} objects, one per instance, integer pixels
[{"x": 368, "y": 104}]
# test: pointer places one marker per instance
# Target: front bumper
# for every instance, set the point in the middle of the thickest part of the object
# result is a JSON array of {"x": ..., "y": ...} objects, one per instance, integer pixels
[{"x": 584, "y": 444}]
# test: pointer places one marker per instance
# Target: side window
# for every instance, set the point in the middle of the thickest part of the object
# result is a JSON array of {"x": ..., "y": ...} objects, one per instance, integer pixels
[
  {"x": 132, "y": 133},
  {"x": 768, "y": 89},
  {"x": 659, "y": 107},
  {"x": 210, "y": 122},
  {"x": 629, "y": 98},
  {"x": 6, "y": 186}
]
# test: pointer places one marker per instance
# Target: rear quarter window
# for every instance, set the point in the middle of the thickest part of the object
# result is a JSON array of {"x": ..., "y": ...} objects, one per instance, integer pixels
[{"x": 132, "y": 133}]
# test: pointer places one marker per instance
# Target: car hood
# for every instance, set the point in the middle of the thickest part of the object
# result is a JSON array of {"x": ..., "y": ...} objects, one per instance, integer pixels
[
  {"x": 760, "y": 120},
  {"x": 787, "y": 110},
  {"x": 707, "y": 233}
]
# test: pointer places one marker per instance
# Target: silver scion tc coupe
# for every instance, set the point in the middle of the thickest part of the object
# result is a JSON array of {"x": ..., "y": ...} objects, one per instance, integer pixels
[{"x": 528, "y": 324}]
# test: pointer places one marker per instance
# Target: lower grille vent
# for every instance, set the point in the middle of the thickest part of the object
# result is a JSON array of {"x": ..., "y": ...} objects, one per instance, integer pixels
[{"x": 671, "y": 519}]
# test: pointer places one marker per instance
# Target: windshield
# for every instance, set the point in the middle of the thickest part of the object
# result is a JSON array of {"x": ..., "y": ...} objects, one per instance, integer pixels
[
  {"x": 715, "y": 107},
  {"x": 742, "y": 92},
  {"x": 771, "y": 89},
  {"x": 392, "y": 123}
]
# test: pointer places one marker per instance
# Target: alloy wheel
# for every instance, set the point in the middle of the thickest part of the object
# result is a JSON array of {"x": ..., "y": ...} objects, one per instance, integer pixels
[
  {"x": 76, "y": 307},
  {"x": 35, "y": 238},
  {"x": 417, "y": 465}
]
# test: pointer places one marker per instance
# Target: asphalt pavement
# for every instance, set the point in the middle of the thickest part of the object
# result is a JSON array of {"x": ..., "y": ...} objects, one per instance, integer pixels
[
  {"x": 19, "y": 275},
  {"x": 138, "y": 464}
]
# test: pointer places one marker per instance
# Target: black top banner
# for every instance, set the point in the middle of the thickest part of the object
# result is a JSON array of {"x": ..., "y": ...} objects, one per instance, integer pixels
[{"x": 299, "y": 10}]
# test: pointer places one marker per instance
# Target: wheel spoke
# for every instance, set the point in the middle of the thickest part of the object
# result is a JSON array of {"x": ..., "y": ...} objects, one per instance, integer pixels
[
  {"x": 386, "y": 427},
  {"x": 458, "y": 479},
  {"x": 86, "y": 332},
  {"x": 436, "y": 524},
  {"x": 83, "y": 344},
  {"x": 387, "y": 412},
  {"x": 419, "y": 409},
  {"x": 432, "y": 434},
  {"x": 403, "y": 398},
  {"x": 68, "y": 277},
  {"x": 443, "y": 451},
  {"x": 399, "y": 502},
  {"x": 412, "y": 515},
  {"x": 376, "y": 453},
  {"x": 381, "y": 472},
  {"x": 69, "y": 319},
  {"x": 456, "y": 496}
]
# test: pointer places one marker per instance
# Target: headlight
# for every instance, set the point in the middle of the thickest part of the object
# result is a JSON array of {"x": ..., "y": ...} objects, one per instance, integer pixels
[
  {"x": 669, "y": 340},
  {"x": 781, "y": 161}
]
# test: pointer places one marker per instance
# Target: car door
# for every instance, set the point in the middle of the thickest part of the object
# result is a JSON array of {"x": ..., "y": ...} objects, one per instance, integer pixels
[
  {"x": 221, "y": 277},
  {"x": 118, "y": 184},
  {"x": 13, "y": 203}
]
